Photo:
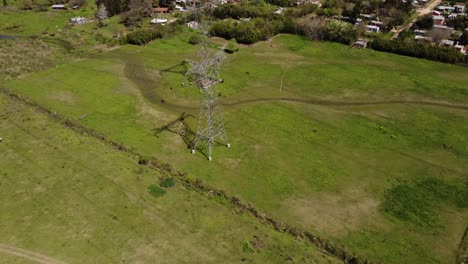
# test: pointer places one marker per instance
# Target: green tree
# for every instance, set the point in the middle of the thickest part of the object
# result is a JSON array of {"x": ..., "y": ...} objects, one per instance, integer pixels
[
  {"x": 464, "y": 38},
  {"x": 425, "y": 22}
]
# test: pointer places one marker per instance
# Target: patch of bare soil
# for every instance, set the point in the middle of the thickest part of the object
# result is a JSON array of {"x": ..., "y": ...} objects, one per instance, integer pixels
[
  {"x": 63, "y": 96},
  {"x": 335, "y": 214}
]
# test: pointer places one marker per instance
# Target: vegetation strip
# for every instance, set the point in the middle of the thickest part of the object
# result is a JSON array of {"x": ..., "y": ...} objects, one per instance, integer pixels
[
  {"x": 197, "y": 185},
  {"x": 462, "y": 255}
]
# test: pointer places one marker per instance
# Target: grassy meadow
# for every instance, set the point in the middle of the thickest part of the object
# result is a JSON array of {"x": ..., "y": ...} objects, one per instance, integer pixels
[
  {"x": 364, "y": 148},
  {"x": 74, "y": 199}
]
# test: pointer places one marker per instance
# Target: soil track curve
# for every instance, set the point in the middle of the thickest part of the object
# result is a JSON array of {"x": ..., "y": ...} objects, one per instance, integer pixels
[{"x": 30, "y": 255}]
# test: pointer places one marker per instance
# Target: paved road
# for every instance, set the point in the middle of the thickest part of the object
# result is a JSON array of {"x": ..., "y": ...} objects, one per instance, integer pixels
[
  {"x": 30, "y": 255},
  {"x": 421, "y": 12}
]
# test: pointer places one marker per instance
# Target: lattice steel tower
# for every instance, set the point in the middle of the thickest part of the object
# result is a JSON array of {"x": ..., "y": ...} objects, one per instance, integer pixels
[{"x": 205, "y": 74}]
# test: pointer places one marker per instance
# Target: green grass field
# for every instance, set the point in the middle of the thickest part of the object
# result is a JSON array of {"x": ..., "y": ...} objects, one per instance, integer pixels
[
  {"x": 364, "y": 148},
  {"x": 72, "y": 198}
]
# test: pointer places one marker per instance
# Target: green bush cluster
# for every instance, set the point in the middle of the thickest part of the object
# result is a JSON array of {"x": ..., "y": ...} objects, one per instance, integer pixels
[
  {"x": 167, "y": 183},
  {"x": 156, "y": 191},
  {"x": 417, "y": 202},
  {"x": 142, "y": 36},
  {"x": 252, "y": 31},
  {"x": 195, "y": 38}
]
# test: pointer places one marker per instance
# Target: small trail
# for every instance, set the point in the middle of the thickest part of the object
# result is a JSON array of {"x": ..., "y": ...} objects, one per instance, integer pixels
[
  {"x": 30, "y": 255},
  {"x": 355, "y": 103}
]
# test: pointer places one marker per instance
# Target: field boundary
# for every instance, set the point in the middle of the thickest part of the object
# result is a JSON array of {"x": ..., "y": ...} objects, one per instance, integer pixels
[
  {"x": 197, "y": 185},
  {"x": 462, "y": 254}
]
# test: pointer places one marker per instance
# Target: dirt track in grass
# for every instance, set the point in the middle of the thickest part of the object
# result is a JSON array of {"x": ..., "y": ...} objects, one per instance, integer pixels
[{"x": 30, "y": 255}]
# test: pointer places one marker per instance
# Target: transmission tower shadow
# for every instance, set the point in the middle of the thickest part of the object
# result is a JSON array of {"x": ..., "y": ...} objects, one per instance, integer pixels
[
  {"x": 180, "y": 68},
  {"x": 180, "y": 127}
]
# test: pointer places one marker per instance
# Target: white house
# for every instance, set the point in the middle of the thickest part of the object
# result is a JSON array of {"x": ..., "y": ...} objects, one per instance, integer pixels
[
  {"x": 447, "y": 42},
  {"x": 371, "y": 28},
  {"x": 461, "y": 48},
  {"x": 58, "y": 6},
  {"x": 78, "y": 20},
  {"x": 459, "y": 8},
  {"x": 161, "y": 21}
]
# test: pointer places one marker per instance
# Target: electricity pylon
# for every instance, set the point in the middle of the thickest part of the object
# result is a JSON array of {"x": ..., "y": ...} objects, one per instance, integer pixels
[{"x": 205, "y": 74}]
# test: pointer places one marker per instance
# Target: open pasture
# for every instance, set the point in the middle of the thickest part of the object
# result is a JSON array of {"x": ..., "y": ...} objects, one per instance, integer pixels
[{"x": 364, "y": 148}]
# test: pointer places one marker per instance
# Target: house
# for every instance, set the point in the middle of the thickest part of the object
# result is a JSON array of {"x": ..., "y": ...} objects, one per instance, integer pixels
[
  {"x": 423, "y": 38},
  {"x": 374, "y": 29},
  {"x": 460, "y": 48},
  {"x": 436, "y": 13},
  {"x": 447, "y": 43},
  {"x": 161, "y": 10},
  {"x": 161, "y": 21},
  {"x": 438, "y": 20},
  {"x": 367, "y": 16},
  {"x": 58, "y": 7},
  {"x": 179, "y": 8},
  {"x": 419, "y": 32},
  {"x": 193, "y": 25},
  {"x": 312, "y": 2},
  {"x": 360, "y": 44},
  {"x": 448, "y": 9},
  {"x": 376, "y": 23},
  {"x": 78, "y": 20},
  {"x": 441, "y": 27},
  {"x": 459, "y": 8}
]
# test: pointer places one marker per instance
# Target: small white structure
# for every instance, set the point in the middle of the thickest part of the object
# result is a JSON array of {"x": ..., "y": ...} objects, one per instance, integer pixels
[
  {"x": 438, "y": 20},
  {"x": 78, "y": 20},
  {"x": 279, "y": 11},
  {"x": 58, "y": 6},
  {"x": 461, "y": 48},
  {"x": 193, "y": 25},
  {"x": 161, "y": 21},
  {"x": 373, "y": 29},
  {"x": 459, "y": 8},
  {"x": 360, "y": 44},
  {"x": 245, "y": 19},
  {"x": 179, "y": 8}
]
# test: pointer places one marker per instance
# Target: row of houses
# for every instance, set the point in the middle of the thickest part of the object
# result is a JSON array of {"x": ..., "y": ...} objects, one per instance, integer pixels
[{"x": 441, "y": 15}]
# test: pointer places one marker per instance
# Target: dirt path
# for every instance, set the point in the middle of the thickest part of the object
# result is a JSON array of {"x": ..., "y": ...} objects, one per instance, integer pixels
[
  {"x": 421, "y": 12},
  {"x": 30, "y": 255},
  {"x": 351, "y": 103}
]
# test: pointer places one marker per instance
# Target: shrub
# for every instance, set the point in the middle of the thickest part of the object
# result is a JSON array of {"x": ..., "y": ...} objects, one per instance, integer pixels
[
  {"x": 167, "y": 183},
  {"x": 195, "y": 38},
  {"x": 247, "y": 247},
  {"x": 143, "y": 36},
  {"x": 156, "y": 191},
  {"x": 232, "y": 46}
]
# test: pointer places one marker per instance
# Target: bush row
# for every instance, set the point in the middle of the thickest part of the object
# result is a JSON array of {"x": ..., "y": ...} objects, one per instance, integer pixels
[
  {"x": 142, "y": 36},
  {"x": 419, "y": 50},
  {"x": 249, "y": 32}
]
